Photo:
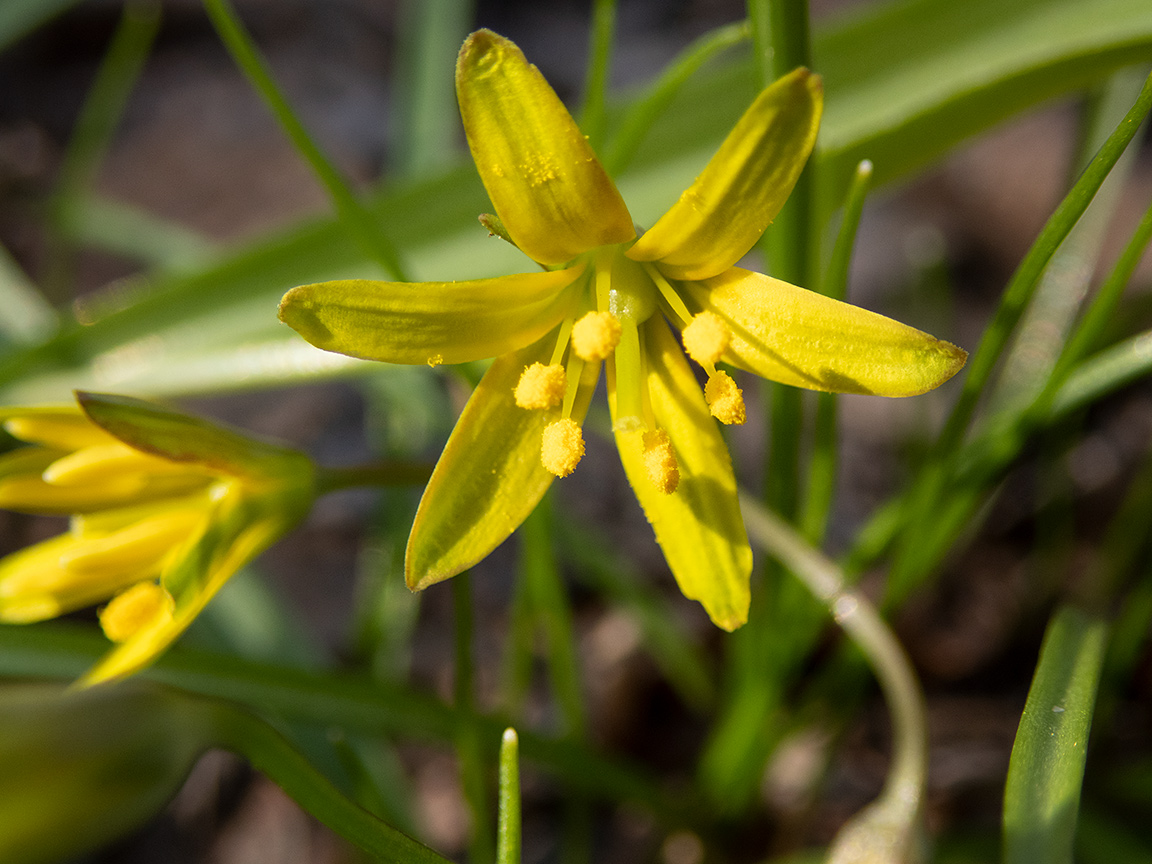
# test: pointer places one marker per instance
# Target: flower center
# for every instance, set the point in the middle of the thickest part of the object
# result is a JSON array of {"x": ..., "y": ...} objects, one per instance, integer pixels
[{"x": 622, "y": 295}]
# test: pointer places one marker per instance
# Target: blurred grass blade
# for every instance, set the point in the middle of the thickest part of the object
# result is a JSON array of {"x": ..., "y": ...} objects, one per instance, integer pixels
[
  {"x": 1043, "y": 332},
  {"x": 58, "y": 650},
  {"x": 367, "y": 232},
  {"x": 655, "y": 98},
  {"x": 423, "y": 87},
  {"x": 1042, "y": 793},
  {"x": 136, "y": 235},
  {"x": 27, "y": 317},
  {"x": 99, "y": 117},
  {"x": 908, "y": 80},
  {"x": 603, "y": 35},
  {"x": 679, "y": 658},
  {"x": 20, "y": 17}
]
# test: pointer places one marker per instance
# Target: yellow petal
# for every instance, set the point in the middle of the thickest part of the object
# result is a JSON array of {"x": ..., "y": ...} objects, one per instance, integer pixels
[
  {"x": 203, "y": 569},
  {"x": 35, "y": 586},
  {"x": 719, "y": 218},
  {"x": 547, "y": 185},
  {"x": 139, "y": 547},
  {"x": 805, "y": 339},
  {"x": 699, "y": 525},
  {"x": 489, "y": 477},
  {"x": 61, "y": 428},
  {"x": 101, "y": 463},
  {"x": 30, "y": 494},
  {"x": 430, "y": 322}
]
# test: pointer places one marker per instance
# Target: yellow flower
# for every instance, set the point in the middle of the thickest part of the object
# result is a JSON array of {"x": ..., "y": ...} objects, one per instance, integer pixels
[
  {"x": 164, "y": 509},
  {"x": 607, "y": 296}
]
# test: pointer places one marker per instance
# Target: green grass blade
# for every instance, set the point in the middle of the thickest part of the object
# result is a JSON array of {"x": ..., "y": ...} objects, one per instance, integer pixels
[{"x": 1042, "y": 794}]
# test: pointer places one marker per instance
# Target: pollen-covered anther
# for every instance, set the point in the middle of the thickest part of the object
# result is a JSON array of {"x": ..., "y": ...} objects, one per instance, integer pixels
[
  {"x": 725, "y": 400},
  {"x": 706, "y": 338},
  {"x": 541, "y": 387},
  {"x": 144, "y": 604},
  {"x": 562, "y": 447},
  {"x": 660, "y": 461},
  {"x": 595, "y": 336}
]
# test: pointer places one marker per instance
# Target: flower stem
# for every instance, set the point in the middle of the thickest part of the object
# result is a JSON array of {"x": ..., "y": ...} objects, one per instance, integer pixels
[
  {"x": 371, "y": 474},
  {"x": 904, "y": 789}
]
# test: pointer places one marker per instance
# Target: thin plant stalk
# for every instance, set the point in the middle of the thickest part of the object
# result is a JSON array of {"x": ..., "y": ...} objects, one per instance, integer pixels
[
  {"x": 592, "y": 115},
  {"x": 508, "y": 834},
  {"x": 356, "y": 218},
  {"x": 904, "y": 789}
]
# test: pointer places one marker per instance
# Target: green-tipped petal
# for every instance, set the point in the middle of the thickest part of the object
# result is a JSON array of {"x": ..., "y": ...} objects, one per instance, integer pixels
[
  {"x": 489, "y": 477},
  {"x": 193, "y": 578},
  {"x": 805, "y": 339},
  {"x": 193, "y": 442},
  {"x": 719, "y": 218},
  {"x": 698, "y": 526},
  {"x": 546, "y": 183},
  {"x": 430, "y": 322}
]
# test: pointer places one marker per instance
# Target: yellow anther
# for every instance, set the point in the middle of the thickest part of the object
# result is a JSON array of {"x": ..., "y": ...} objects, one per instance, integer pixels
[
  {"x": 541, "y": 387},
  {"x": 660, "y": 461},
  {"x": 706, "y": 338},
  {"x": 725, "y": 399},
  {"x": 595, "y": 336},
  {"x": 145, "y": 604},
  {"x": 562, "y": 447}
]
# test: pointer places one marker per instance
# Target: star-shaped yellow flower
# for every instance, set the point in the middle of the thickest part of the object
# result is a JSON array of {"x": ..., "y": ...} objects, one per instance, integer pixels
[
  {"x": 607, "y": 296},
  {"x": 164, "y": 509}
]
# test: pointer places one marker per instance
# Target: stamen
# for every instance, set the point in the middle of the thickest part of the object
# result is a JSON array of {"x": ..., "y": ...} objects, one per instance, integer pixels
[
  {"x": 725, "y": 400},
  {"x": 562, "y": 446},
  {"x": 595, "y": 336},
  {"x": 675, "y": 303},
  {"x": 660, "y": 461},
  {"x": 706, "y": 338},
  {"x": 142, "y": 605},
  {"x": 541, "y": 387}
]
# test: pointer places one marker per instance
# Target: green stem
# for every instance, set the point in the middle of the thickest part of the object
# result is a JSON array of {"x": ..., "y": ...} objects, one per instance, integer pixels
[
  {"x": 330, "y": 479},
  {"x": 599, "y": 63},
  {"x": 550, "y": 605},
  {"x": 859, "y": 619},
  {"x": 272, "y": 755},
  {"x": 468, "y": 749},
  {"x": 822, "y": 468},
  {"x": 356, "y": 217}
]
